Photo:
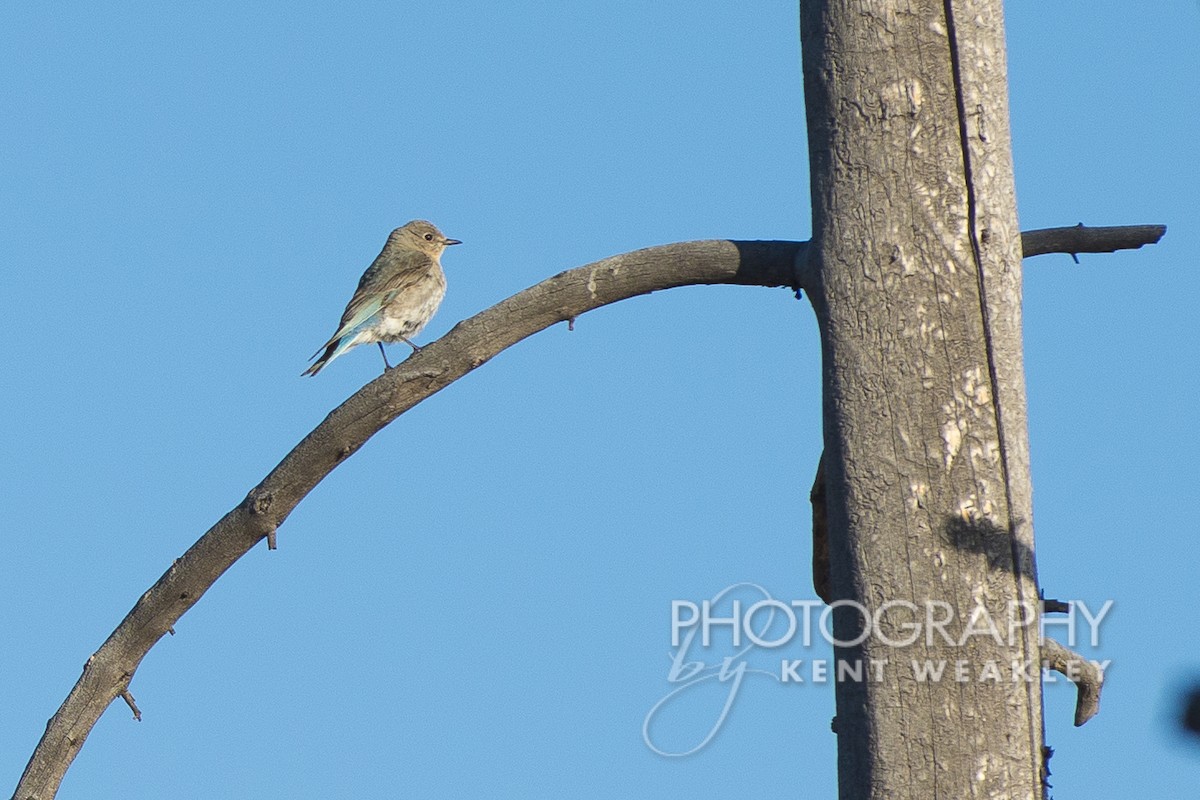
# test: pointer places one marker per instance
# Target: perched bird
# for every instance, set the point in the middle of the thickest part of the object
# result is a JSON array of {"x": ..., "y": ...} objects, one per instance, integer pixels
[{"x": 396, "y": 296}]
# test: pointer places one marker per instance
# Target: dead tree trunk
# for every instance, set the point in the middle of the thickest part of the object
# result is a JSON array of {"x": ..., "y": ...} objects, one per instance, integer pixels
[{"x": 916, "y": 257}]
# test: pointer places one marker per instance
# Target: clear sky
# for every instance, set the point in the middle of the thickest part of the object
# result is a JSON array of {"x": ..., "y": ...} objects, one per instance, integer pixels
[{"x": 478, "y": 602}]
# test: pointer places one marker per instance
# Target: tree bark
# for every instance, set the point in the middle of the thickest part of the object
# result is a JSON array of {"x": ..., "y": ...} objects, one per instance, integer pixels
[{"x": 917, "y": 269}]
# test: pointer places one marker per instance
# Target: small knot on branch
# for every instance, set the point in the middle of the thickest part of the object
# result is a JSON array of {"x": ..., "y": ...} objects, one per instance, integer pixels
[{"x": 258, "y": 504}]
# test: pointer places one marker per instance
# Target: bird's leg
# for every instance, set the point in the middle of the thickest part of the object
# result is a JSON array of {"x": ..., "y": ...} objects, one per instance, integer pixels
[
  {"x": 416, "y": 348},
  {"x": 383, "y": 353}
]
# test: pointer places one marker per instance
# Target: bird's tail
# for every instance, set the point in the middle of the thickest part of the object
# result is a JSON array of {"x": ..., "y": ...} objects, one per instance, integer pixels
[{"x": 331, "y": 352}]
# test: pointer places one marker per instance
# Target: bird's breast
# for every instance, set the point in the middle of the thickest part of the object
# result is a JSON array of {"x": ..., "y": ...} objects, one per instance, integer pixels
[{"x": 408, "y": 312}]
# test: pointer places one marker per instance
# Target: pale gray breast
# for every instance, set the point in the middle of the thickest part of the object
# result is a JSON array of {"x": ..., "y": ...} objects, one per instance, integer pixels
[{"x": 409, "y": 311}]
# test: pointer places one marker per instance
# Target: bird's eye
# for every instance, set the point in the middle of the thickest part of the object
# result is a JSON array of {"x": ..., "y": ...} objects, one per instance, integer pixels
[{"x": 429, "y": 237}]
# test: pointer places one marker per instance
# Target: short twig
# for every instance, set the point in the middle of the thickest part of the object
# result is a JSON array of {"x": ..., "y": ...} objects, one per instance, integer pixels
[
  {"x": 128, "y": 698},
  {"x": 1055, "y": 606}
]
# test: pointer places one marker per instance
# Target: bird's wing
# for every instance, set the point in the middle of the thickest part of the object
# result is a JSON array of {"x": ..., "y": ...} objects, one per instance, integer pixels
[{"x": 387, "y": 277}]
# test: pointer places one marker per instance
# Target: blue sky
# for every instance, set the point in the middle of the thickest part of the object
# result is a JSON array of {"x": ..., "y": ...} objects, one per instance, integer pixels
[{"x": 478, "y": 602}]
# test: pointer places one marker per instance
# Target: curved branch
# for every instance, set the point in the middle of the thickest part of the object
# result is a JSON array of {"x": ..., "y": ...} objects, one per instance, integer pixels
[
  {"x": 470, "y": 344},
  {"x": 1086, "y": 675}
]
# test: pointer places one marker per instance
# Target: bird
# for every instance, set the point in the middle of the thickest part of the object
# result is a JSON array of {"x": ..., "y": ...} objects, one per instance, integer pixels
[{"x": 397, "y": 295}]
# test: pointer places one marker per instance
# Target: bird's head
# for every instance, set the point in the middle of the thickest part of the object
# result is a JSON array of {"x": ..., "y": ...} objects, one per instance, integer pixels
[{"x": 422, "y": 235}]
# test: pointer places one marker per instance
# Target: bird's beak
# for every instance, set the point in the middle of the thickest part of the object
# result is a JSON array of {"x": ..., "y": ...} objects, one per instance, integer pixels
[{"x": 452, "y": 241}]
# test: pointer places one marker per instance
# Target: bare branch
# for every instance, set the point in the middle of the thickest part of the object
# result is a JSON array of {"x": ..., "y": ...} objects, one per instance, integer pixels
[
  {"x": 470, "y": 344},
  {"x": 1079, "y": 239},
  {"x": 1086, "y": 676},
  {"x": 129, "y": 701}
]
